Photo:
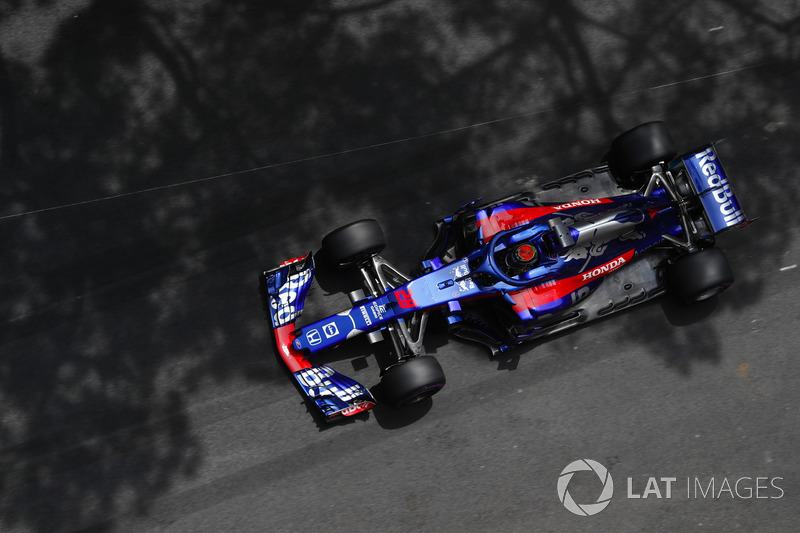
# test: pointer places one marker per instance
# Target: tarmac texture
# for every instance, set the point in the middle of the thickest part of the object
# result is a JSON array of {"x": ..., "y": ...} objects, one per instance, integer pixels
[{"x": 156, "y": 156}]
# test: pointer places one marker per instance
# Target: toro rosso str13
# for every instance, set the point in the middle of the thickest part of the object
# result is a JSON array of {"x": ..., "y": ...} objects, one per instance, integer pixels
[{"x": 518, "y": 269}]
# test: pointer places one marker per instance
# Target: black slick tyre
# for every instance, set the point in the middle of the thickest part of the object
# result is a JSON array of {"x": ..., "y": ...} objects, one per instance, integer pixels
[
  {"x": 700, "y": 275},
  {"x": 354, "y": 243},
  {"x": 412, "y": 381},
  {"x": 636, "y": 151}
]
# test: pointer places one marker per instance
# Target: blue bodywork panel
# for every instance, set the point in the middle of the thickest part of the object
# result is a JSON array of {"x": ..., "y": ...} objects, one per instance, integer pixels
[
  {"x": 332, "y": 392},
  {"x": 431, "y": 290},
  {"x": 711, "y": 184},
  {"x": 287, "y": 287},
  {"x": 606, "y": 235}
]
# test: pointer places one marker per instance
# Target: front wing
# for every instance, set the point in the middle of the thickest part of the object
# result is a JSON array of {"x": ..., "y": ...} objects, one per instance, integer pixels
[{"x": 334, "y": 394}]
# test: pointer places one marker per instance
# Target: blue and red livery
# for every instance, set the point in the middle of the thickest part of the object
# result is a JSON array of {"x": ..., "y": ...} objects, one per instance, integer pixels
[{"x": 520, "y": 268}]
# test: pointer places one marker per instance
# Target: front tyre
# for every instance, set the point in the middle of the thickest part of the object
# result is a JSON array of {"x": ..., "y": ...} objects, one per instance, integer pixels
[
  {"x": 700, "y": 275},
  {"x": 354, "y": 243},
  {"x": 413, "y": 381}
]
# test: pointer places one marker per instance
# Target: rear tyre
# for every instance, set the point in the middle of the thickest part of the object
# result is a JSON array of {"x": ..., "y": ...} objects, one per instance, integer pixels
[
  {"x": 636, "y": 151},
  {"x": 354, "y": 243},
  {"x": 413, "y": 381},
  {"x": 700, "y": 275}
]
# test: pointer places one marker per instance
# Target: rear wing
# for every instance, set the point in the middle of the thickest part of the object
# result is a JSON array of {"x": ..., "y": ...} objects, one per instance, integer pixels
[{"x": 710, "y": 183}]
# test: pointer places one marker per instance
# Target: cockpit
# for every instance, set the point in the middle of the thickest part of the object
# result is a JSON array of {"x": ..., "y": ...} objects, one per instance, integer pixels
[{"x": 519, "y": 256}]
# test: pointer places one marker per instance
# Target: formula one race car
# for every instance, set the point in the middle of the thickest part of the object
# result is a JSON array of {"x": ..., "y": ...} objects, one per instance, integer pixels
[{"x": 519, "y": 268}]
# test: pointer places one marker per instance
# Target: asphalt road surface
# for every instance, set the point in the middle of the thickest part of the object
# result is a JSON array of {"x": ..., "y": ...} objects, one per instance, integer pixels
[{"x": 155, "y": 157}]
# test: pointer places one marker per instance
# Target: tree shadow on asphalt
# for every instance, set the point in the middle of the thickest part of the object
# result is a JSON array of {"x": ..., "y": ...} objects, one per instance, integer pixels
[{"x": 124, "y": 293}]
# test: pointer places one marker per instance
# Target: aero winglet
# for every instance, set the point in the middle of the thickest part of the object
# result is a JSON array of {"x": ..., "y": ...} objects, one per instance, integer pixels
[
  {"x": 287, "y": 287},
  {"x": 334, "y": 394}
]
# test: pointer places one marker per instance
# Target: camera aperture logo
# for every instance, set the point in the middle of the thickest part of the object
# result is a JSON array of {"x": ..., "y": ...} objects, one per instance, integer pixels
[
  {"x": 585, "y": 509},
  {"x": 747, "y": 487}
]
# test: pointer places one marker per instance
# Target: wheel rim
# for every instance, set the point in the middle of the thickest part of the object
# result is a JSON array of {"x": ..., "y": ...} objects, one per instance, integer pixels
[
  {"x": 705, "y": 295},
  {"x": 360, "y": 257},
  {"x": 421, "y": 394}
]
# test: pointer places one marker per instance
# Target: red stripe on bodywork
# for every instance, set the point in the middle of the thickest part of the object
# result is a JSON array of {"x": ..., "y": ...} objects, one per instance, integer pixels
[
  {"x": 294, "y": 260},
  {"x": 294, "y": 359},
  {"x": 355, "y": 409},
  {"x": 511, "y": 218},
  {"x": 551, "y": 291}
]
